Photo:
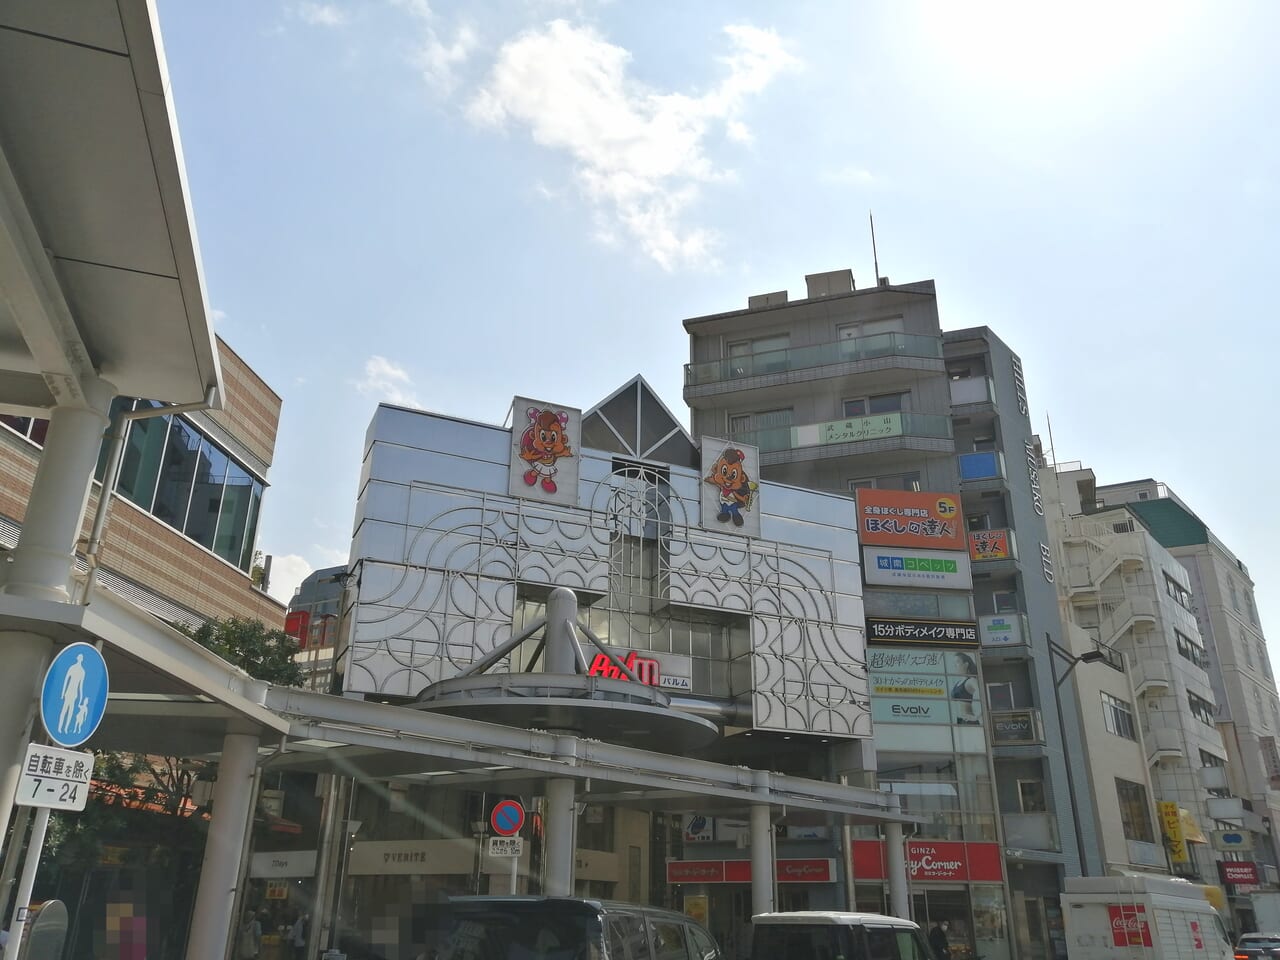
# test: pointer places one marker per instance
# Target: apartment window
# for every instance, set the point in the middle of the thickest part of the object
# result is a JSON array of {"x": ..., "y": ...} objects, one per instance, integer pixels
[
  {"x": 977, "y": 521},
  {"x": 984, "y": 444},
  {"x": 1180, "y": 594},
  {"x": 1117, "y": 717},
  {"x": 880, "y": 403},
  {"x": 893, "y": 481},
  {"x": 1143, "y": 495},
  {"x": 1235, "y": 596},
  {"x": 1005, "y": 601},
  {"x": 740, "y": 423},
  {"x": 869, "y": 328},
  {"x": 1208, "y": 759},
  {"x": 1253, "y": 611},
  {"x": 1188, "y": 649},
  {"x": 1000, "y": 696},
  {"x": 1264, "y": 660},
  {"x": 1123, "y": 526},
  {"x": 1135, "y": 812},
  {"x": 761, "y": 355},
  {"x": 1202, "y": 709},
  {"x": 1031, "y": 797}
]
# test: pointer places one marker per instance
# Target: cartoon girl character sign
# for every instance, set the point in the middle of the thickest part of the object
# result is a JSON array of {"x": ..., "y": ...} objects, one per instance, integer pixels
[
  {"x": 544, "y": 459},
  {"x": 729, "y": 487}
]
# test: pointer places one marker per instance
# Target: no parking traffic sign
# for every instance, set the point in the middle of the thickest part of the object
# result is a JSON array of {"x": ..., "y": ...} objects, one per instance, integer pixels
[
  {"x": 74, "y": 696},
  {"x": 507, "y": 818}
]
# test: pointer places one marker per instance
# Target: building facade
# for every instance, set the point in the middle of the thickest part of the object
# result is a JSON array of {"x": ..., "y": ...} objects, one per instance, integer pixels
[
  {"x": 739, "y": 598},
  {"x": 856, "y": 390},
  {"x": 1246, "y": 707},
  {"x": 182, "y": 534}
]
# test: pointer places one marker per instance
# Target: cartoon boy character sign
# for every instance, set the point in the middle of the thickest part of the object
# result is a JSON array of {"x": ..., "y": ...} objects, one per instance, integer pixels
[
  {"x": 734, "y": 493},
  {"x": 544, "y": 452}
]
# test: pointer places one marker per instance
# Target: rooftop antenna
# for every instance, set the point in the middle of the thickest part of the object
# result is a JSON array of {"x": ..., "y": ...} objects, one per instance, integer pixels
[{"x": 875, "y": 257}]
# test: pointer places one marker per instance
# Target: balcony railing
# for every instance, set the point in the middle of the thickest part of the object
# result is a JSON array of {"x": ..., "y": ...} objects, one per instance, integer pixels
[
  {"x": 986, "y": 465},
  {"x": 971, "y": 390},
  {"x": 818, "y": 355},
  {"x": 850, "y": 430},
  {"x": 1030, "y": 831}
]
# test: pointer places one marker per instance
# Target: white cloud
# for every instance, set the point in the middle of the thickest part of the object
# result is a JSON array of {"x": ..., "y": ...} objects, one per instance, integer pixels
[
  {"x": 330, "y": 556},
  {"x": 216, "y": 317},
  {"x": 287, "y": 572},
  {"x": 850, "y": 175},
  {"x": 321, "y": 14},
  {"x": 638, "y": 153},
  {"x": 385, "y": 380},
  {"x": 439, "y": 61}
]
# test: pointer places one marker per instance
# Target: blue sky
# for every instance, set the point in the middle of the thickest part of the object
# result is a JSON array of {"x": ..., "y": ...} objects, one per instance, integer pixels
[{"x": 448, "y": 204}]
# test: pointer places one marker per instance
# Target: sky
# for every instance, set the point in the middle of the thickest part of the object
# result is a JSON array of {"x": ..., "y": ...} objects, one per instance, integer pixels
[{"x": 444, "y": 205}]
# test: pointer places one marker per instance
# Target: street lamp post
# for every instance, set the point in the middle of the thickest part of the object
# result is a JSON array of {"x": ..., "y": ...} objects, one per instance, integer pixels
[{"x": 1089, "y": 656}]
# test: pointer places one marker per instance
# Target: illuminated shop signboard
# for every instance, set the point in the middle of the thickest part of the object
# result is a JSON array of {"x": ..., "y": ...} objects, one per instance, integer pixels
[
  {"x": 896, "y": 518},
  {"x": 916, "y": 567}
]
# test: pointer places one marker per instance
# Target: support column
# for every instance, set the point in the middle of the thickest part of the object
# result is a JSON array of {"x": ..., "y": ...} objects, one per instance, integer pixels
[
  {"x": 899, "y": 893},
  {"x": 212, "y": 923},
  {"x": 762, "y": 865},
  {"x": 558, "y": 838},
  {"x": 40, "y": 567},
  {"x": 42, "y": 560},
  {"x": 559, "y": 830}
]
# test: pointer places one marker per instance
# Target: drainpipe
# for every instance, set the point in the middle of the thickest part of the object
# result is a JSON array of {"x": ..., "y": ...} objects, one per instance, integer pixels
[{"x": 110, "y": 475}]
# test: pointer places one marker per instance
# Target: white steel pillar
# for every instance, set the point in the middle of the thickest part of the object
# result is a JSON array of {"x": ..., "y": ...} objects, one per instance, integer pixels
[
  {"x": 899, "y": 893},
  {"x": 42, "y": 560},
  {"x": 762, "y": 865},
  {"x": 559, "y": 827},
  {"x": 212, "y": 923},
  {"x": 40, "y": 567}
]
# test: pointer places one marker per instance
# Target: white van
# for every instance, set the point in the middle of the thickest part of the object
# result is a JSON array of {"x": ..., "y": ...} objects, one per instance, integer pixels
[
  {"x": 1144, "y": 918},
  {"x": 829, "y": 935}
]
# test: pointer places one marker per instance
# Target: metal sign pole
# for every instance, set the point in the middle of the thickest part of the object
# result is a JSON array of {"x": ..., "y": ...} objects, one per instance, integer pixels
[{"x": 28, "y": 881}]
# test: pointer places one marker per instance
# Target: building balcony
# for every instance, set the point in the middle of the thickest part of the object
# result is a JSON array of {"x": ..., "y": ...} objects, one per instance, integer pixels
[
  {"x": 970, "y": 390},
  {"x": 1213, "y": 778},
  {"x": 1225, "y": 808},
  {"x": 1163, "y": 743},
  {"x": 1150, "y": 676},
  {"x": 853, "y": 435},
  {"x": 1031, "y": 831},
  {"x": 1145, "y": 854},
  {"x": 982, "y": 471},
  {"x": 1016, "y": 727},
  {"x": 819, "y": 361}
]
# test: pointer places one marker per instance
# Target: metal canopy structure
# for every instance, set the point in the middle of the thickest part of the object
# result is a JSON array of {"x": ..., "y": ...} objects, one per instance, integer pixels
[
  {"x": 99, "y": 266},
  {"x": 373, "y": 741}
]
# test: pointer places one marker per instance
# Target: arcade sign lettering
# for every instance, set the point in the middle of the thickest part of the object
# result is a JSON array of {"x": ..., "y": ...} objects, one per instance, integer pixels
[{"x": 644, "y": 669}]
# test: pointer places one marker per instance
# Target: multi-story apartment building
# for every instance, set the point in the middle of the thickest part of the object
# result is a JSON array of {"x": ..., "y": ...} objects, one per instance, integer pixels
[
  {"x": 184, "y": 523},
  {"x": 313, "y": 618},
  {"x": 861, "y": 389},
  {"x": 1247, "y": 714},
  {"x": 1129, "y": 597}
]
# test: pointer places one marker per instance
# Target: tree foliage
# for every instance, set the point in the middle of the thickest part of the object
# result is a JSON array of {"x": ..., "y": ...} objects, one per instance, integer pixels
[{"x": 248, "y": 644}]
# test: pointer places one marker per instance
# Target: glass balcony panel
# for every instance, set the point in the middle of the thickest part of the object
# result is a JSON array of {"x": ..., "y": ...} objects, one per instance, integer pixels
[
  {"x": 971, "y": 390},
  {"x": 817, "y": 355},
  {"x": 1030, "y": 831},
  {"x": 849, "y": 430},
  {"x": 987, "y": 465}
]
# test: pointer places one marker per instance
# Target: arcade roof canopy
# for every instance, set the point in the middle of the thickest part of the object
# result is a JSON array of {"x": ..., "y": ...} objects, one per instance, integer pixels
[{"x": 99, "y": 266}]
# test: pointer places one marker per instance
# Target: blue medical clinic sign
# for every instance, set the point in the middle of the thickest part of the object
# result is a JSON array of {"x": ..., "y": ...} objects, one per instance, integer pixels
[{"x": 73, "y": 699}]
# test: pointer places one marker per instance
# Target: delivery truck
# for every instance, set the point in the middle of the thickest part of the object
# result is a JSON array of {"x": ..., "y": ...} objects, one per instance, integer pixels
[
  {"x": 1266, "y": 910},
  {"x": 1142, "y": 918}
]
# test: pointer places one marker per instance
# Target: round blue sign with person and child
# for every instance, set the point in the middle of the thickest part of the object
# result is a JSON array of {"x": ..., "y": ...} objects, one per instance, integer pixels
[{"x": 74, "y": 697}]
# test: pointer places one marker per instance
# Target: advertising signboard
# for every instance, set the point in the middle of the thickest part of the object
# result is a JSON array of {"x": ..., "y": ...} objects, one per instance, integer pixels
[
  {"x": 894, "y": 567},
  {"x": 546, "y": 441},
  {"x": 897, "y": 518},
  {"x": 1238, "y": 872},
  {"x": 1171, "y": 823},
  {"x": 989, "y": 545},
  {"x": 1224, "y": 840},
  {"x": 942, "y": 633},
  {"x": 1014, "y": 726},
  {"x": 1000, "y": 629},
  {"x": 933, "y": 860},
  {"x": 730, "y": 484},
  {"x": 807, "y": 870}
]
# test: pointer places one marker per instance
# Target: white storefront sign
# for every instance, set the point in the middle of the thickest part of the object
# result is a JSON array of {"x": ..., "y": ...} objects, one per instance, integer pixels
[
  {"x": 916, "y": 567},
  {"x": 1000, "y": 629},
  {"x": 283, "y": 865}
]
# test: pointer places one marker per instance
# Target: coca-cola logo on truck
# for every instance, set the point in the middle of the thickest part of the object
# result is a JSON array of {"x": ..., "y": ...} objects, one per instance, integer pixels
[{"x": 1129, "y": 925}]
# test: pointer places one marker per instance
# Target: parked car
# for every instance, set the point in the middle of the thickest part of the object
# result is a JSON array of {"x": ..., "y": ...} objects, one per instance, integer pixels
[
  {"x": 562, "y": 928},
  {"x": 828, "y": 935},
  {"x": 1252, "y": 946}
]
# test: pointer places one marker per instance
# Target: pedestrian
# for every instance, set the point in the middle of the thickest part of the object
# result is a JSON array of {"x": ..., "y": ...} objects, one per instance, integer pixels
[
  {"x": 298, "y": 936},
  {"x": 938, "y": 940},
  {"x": 249, "y": 939}
]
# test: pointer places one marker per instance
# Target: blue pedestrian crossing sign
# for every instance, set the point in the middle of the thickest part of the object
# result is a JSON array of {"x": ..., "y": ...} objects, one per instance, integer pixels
[{"x": 74, "y": 696}]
